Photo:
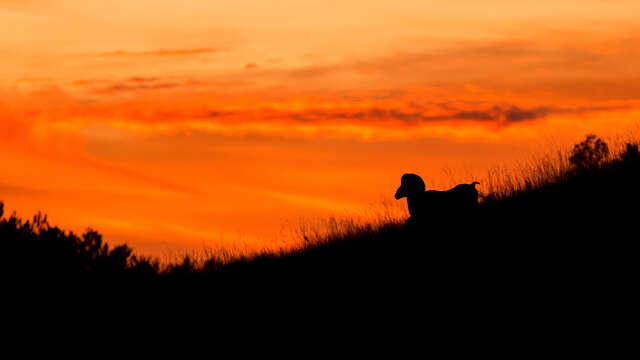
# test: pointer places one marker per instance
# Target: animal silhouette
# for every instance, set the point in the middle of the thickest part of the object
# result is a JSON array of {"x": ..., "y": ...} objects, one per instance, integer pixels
[{"x": 425, "y": 204}]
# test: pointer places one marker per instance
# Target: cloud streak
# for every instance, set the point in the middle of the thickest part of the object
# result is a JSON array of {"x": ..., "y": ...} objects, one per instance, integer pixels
[
  {"x": 144, "y": 83},
  {"x": 11, "y": 189},
  {"x": 161, "y": 52},
  {"x": 497, "y": 114},
  {"x": 174, "y": 110},
  {"x": 119, "y": 87}
]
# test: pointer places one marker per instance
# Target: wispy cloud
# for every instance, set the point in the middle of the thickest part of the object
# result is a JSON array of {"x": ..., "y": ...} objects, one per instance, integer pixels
[
  {"x": 88, "y": 82},
  {"x": 496, "y": 114},
  {"x": 12, "y": 189},
  {"x": 142, "y": 79},
  {"x": 34, "y": 80},
  {"x": 116, "y": 88},
  {"x": 140, "y": 82},
  {"x": 552, "y": 65},
  {"x": 139, "y": 177},
  {"x": 162, "y": 52}
]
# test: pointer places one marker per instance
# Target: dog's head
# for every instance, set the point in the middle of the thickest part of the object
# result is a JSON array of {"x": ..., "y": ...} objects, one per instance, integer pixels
[{"x": 410, "y": 184}]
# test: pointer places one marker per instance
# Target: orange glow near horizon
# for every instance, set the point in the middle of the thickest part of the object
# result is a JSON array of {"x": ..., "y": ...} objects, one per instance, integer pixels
[{"x": 223, "y": 124}]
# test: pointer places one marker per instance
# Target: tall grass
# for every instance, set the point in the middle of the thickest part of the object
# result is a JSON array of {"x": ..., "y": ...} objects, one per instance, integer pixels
[
  {"x": 503, "y": 183},
  {"x": 314, "y": 231},
  {"x": 506, "y": 182}
]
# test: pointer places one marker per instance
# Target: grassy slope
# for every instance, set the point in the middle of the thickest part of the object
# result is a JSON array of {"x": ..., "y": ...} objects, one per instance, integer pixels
[
  {"x": 568, "y": 229},
  {"x": 573, "y": 221}
]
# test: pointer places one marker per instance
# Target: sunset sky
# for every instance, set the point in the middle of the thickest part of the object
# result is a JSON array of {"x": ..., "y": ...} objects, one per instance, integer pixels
[{"x": 173, "y": 125}]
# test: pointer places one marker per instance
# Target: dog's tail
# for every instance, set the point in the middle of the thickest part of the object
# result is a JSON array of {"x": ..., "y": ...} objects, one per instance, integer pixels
[{"x": 475, "y": 183}]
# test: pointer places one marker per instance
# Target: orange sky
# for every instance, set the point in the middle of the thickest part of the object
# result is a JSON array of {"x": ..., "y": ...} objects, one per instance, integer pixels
[{"x": 174, "y": 125}]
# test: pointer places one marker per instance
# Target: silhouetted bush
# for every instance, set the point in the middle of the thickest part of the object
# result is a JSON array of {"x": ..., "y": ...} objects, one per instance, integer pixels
[
  {"x": 37, "y": 247},
  {"x": 630, "y": 154},
  {"x": 589, "y": 153}
]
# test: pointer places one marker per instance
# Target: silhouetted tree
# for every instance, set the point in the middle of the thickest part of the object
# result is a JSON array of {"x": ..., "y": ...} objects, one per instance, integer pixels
[{"x": 589, "y": 153}]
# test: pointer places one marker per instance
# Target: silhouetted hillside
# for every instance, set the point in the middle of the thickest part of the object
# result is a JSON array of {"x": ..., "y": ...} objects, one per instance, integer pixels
[{"x": 565, "y": 227}]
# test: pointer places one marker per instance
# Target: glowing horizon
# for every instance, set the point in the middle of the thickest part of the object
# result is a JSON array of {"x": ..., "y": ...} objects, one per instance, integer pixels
[{"x": 171, "y": 125}]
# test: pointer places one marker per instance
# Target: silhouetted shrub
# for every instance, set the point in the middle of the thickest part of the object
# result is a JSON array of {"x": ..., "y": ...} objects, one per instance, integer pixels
[
  {"x": 630, "y": 154},
  {"x": 589, "y": 153},
  {"x": 36, "y": 247},
  {"x": 144, "y": 266},
  {"x": 185, "y": 268}
]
